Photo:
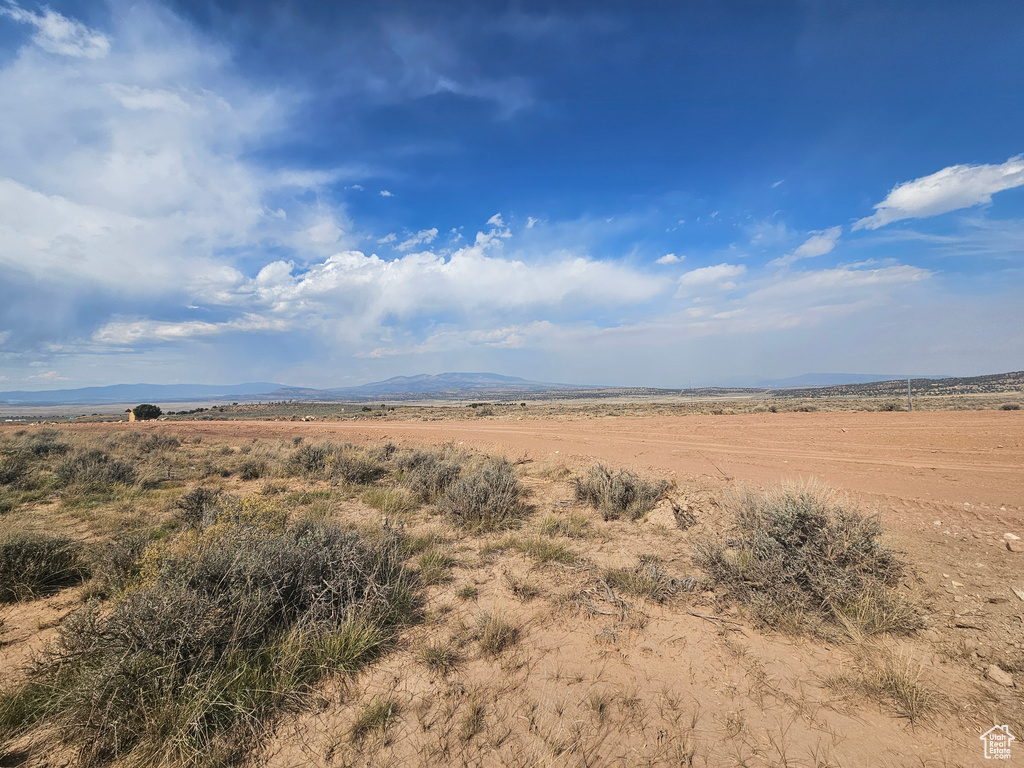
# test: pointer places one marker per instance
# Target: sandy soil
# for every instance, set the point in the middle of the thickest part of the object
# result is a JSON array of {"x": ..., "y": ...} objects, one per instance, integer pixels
[
  {"x": 693, "y": 682},
  {"x": 948, "y": 456}
]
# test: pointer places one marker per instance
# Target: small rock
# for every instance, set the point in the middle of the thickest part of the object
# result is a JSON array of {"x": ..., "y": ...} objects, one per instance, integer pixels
[
  {"x": 1018, "y": 592},
  {"x": 1014, "y": 546},
  {"x": 997, "y": 675},
  {"x": 964, "y": 623},
  {"x": 956, "y": 583},
  {"x": 1011, "y": 537}
]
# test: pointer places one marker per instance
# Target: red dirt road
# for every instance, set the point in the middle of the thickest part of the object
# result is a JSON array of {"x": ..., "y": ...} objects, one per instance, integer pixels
[{"x": 943, "y": 456}]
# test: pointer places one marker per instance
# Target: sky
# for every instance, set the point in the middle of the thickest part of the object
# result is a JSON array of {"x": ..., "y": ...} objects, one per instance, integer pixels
[{"x": 637, "y": 194}]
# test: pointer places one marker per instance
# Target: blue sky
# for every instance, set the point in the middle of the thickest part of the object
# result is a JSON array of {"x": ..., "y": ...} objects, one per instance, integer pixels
[{"x": 590, "y": 193}]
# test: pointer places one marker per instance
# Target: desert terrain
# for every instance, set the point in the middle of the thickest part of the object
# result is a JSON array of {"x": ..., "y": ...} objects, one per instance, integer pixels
[{"x": 614, "y": 646}]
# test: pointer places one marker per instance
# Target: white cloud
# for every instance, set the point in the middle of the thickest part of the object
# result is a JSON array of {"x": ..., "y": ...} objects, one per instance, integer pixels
[
  {"x": 952, "y": 188},
  {"x": 496, "y": 220},
  {"x": 58, "y": 34},
  {"x": 135, "y": 163},
  {"x": 351, "y": 295},
  {"x": 49, "y": 376},
  {"x": 126, "y": 333},
  {"x": 531, "y": 222},
  {"x": 818, "y": 244},
  {"x": 386, "y": 193},
  {"x": 421, "y": 237},
  {"x": 390, "y": 237},
  {"x": 715, "y": 278},
  {"x": 669, "y": 258}
]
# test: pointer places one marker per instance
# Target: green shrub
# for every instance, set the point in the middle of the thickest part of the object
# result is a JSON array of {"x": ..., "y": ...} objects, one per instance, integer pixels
[
  {"x": 34, "y": 565},
  {"x": 252, "y": 469},
  {"x": 221, "y": 628},
  {"x": 804, "y": 562},
  {"x": 313, "y": 461},
  {"x": 428, "y": 474},
  {"x": 485, "y": 500},
  {"x": 46, "y": 442},
  {"x": 619, "y": 494},
  {"x": 94, "y": 470},
  {"x": 1010, "y": 407},
  {"x": 354, "y": 465},
  {"x": 147, "y": 411},
  {"x": 14, "y": 467},
  {"x": 195, "y": 507}
]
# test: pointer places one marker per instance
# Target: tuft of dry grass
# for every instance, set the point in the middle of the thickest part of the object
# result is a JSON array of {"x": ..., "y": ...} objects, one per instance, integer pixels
[
  {"x": 375, "y": 720},
  {"x": 494, "y": 634},
  {"x": 523, "y": 589},
  {"x": 439, "y": 656},
  {"x": 619, "y": 494},
  {"x": 646, "y": 579},
  {"x": 891, "y": 678},
  {"x": 573, "y": 526}
]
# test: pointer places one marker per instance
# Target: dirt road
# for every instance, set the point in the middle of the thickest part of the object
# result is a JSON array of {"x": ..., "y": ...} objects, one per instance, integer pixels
[{"x": 975, "y": 457}]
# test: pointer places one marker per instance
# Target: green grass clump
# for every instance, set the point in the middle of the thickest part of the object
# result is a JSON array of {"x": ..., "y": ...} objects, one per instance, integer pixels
[
  {"x": 393, "y": 502},
  {"x": 804, "y": 562},
  {"x": 619, "y": 494},
  {"x": 34, "y": 565},
  {"x": 435, "y": 566},
  {"x": 490, "y": 498},
  {"x": 220, "y": 628}
]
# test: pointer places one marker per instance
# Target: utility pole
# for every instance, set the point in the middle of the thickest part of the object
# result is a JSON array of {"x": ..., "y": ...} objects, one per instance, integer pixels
[{"x": 910, "y": 405}]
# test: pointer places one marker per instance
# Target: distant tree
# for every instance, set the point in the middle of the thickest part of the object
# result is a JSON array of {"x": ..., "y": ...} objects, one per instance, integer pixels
[{"x": 146, "y": 411}]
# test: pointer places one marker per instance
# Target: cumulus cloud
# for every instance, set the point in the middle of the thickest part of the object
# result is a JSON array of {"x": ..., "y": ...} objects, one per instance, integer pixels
[
  {"x": 818, "y": 244},
  {"x": 715, "y": 278},
  {"x": 386, "y": 193},
  {"x": 390, "y": 237},
  {"x": 352, "y": 296},
  {"x": 670, "y": 258},
  {"x": 952, "y": 188},
  {"x": 58, "y": 34}
]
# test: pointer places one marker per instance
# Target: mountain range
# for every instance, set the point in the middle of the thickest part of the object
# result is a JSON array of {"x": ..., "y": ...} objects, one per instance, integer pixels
[{"x": 444, "y": 385}]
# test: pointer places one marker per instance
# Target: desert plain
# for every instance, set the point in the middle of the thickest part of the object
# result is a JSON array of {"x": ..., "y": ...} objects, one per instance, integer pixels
[{"x": 597, "y": 666}]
